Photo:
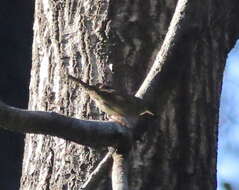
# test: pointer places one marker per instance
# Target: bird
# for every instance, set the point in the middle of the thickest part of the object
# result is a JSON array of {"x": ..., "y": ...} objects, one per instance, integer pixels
[{"x": 113, "y": 102}]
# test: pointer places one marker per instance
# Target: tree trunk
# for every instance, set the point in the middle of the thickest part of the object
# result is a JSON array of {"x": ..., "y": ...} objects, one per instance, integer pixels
[{"x": 115, "y": 43}]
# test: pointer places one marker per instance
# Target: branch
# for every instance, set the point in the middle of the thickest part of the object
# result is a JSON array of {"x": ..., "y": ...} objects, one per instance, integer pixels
[
  {"x": 161, "y": 71},
  {"x": 120, "y": 172},
  {"x": 91, "y": 133},
  {"x": 99, "y": 172}
]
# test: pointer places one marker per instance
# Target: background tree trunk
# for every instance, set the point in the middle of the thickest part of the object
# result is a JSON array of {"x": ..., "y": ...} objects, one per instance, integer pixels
[{"x": 115, "y": 43}]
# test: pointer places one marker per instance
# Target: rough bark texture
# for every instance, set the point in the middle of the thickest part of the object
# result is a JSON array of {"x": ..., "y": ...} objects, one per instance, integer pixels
[{"x": 115, "y": 43}]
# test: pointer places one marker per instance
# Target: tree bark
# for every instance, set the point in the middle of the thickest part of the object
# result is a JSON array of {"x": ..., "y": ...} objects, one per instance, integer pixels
[{"x": 116, "y": 43}]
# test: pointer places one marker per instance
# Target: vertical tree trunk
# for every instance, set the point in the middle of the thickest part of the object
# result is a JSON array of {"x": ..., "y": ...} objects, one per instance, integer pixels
[{"x": 115, "y": 43}]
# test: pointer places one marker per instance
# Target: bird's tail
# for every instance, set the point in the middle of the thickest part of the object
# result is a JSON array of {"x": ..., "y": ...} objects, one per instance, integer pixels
[{"x": 86, "y": 86}]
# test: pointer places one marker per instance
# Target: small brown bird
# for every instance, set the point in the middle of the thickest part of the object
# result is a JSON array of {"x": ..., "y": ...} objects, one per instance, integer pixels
[{"x": 114, "y": 103}]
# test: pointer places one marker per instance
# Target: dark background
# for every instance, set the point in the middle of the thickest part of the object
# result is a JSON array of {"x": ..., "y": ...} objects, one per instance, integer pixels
[{"x": 16, "y": 19}]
